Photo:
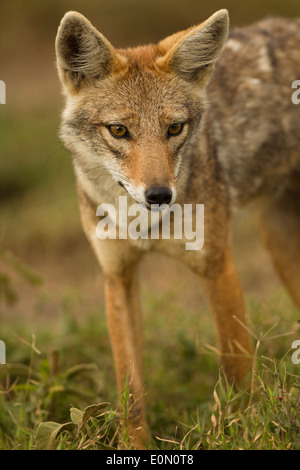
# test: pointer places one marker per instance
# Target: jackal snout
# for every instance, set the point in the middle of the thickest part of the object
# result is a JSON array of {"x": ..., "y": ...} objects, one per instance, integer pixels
[{"x": 149, "y": 177}]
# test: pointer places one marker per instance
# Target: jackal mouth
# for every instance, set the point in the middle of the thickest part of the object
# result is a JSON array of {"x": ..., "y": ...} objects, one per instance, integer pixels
[
  {"x": 148, "y": 207},
  {"x": 157, "y": 198}
]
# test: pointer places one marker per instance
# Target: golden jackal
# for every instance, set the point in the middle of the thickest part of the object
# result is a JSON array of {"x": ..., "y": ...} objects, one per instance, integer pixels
[{"x": 169, "y": 122}]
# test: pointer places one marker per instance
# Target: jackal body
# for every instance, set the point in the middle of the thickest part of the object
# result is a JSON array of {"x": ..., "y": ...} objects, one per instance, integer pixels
[{"x": 170, "y": 122}]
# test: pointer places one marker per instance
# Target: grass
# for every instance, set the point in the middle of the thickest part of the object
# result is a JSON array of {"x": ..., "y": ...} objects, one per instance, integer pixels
[{"x": 58, "y": 389}]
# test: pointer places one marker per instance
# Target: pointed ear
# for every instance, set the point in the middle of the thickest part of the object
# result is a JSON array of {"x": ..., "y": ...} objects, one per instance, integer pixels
[
  {"x": 192, "y": 53},
  {"x": 83, "y": 54}
]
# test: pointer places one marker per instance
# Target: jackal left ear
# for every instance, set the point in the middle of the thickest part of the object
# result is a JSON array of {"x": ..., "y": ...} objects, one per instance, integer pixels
[
  {"x": 83, "y": 54},
  {"x": 192, "y": 53}
]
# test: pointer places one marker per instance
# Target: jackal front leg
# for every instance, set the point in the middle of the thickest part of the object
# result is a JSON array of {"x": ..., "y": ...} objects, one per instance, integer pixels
[
  {"x": 118, "y": 260},
  {"x": 227, "y": 304},
  {"x": 125, "y": 327}
]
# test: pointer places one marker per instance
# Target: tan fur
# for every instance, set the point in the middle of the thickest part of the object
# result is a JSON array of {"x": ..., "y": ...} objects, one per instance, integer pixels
[{"x": 240, "y": 142}]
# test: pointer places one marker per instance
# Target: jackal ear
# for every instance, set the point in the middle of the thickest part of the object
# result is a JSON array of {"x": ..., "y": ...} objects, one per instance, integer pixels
[
  {"x": 192, "y": 53},
  {"x": 83, "y": 54}
]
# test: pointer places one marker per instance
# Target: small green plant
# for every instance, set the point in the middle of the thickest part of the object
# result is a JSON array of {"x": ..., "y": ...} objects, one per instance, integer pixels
[
  {"x": 33, "y": 392},
  {"x": 96, "y": 427},
  {"x": 89, "y": 429}
]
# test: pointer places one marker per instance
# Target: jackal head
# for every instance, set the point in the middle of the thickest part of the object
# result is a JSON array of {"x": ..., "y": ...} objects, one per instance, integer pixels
[{"x": 132, "y": 114}]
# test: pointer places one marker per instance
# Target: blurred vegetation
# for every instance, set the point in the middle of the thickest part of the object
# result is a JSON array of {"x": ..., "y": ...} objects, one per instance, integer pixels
[
  {"x": 127, "y": 21},
  {"x": 51, "y": 300}
]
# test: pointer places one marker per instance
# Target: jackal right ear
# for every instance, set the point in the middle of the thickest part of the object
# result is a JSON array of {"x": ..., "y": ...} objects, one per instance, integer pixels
[
  {"x": 192, "y": 53},
  {"x": 83, "y": 54}
]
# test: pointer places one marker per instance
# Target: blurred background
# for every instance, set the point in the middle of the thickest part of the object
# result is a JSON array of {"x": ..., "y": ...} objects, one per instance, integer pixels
[{"x": 45, "y": 260}]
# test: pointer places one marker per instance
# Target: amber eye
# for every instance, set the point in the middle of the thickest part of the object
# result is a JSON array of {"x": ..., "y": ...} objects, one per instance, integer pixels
[
  {"x": 118, "y": 130},
  {"x": 175, "y": 129}
]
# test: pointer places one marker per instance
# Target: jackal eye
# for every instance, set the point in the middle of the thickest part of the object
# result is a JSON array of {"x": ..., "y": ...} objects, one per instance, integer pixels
[
  {"x": 175, "y": 129},
  {"x": 118, "y": 130}
]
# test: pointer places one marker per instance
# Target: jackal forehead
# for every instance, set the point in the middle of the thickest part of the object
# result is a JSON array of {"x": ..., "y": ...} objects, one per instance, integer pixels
[{"x": 136, "y": 96}]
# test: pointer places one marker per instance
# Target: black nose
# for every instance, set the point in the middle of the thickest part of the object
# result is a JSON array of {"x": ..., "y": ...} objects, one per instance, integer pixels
[{"x": 158, "y": 195}]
